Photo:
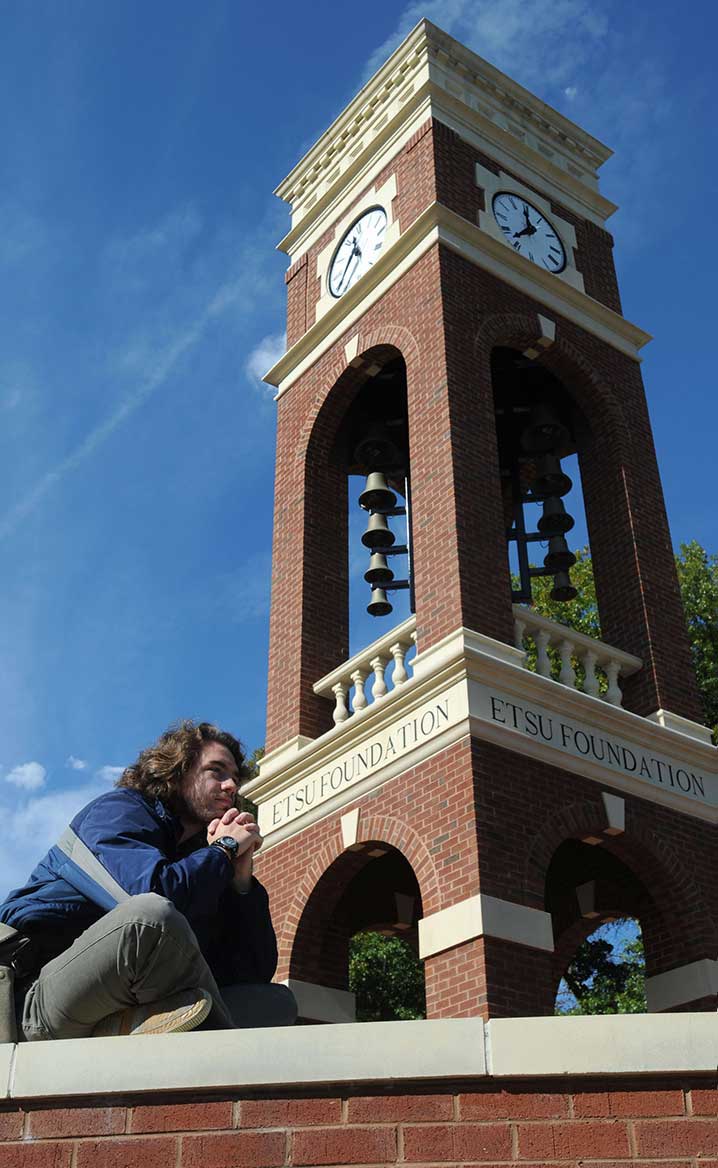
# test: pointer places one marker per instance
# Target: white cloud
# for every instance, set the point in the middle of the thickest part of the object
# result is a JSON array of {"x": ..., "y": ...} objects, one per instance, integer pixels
[
  {"x": 264, "y": 355},
  {"x": 570, "y": 91},
  {"x": 29, "y": 775},
  {"x": 109, "y": 774},
  {"x": 76, "y": 764},
  {"x": 40, "y": 819},
  {"x": 537, "y": 42}
]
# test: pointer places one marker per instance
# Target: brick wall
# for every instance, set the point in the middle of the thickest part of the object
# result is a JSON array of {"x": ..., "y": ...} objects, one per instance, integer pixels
[
  {"x": 479, "y": 818},
  {"x": 672, "y": 1123}
]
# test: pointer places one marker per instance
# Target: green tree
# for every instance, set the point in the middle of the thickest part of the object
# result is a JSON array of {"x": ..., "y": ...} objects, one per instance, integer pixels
[
  {"x": 606, "y": 974},
  {"x": 387, "y": 978},
  {"x": 698, "y": 579}
]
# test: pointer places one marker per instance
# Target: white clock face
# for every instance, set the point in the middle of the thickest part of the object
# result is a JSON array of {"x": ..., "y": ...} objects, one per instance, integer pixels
[
  {"x": 528, "y": 231},
  {"x": 357, "y": 251}
]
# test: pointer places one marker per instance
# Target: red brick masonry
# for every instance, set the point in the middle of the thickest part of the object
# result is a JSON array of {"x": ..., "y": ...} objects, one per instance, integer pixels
[{"x": 667, "y": 1122}]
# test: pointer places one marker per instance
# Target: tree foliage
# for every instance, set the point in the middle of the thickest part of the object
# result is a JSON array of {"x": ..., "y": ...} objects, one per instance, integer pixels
[
  {"x": 606, "y": 974},
  {"x": 387, "y": 978},
  {"x": 698, "y": 579}
]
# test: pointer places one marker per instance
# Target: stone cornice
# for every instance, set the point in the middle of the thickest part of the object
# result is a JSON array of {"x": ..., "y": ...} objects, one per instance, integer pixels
[
  {"x": 430, "y": 59},
  {"x": 447, "y": 1049},
  {"x": 439, "y": 224}
]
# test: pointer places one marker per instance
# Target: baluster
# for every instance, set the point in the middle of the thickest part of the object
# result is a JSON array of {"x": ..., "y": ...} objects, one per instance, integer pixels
[
  {"x": 360, "y": 699},
  {"x": 398, "y": 652},
  {"x": 543, "y": 661},
  {"x": 613, "y": 693},
  {"x": 567, "y": 676},
  {"x": 590, "y": 684},
  {"x": 519, "y": 630},
  {"x": 340, "y": 691},
  {"x": 379, "y": 688}
]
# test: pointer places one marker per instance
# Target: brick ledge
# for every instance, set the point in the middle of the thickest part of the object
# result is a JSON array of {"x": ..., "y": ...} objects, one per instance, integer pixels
[{"x": 392, "y": 1052}]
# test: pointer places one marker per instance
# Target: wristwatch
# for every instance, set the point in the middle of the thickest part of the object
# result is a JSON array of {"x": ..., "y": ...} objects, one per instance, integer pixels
[{"x": 228, "y": 845}]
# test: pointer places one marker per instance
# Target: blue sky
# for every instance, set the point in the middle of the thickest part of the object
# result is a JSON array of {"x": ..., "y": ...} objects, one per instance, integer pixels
[{"x": 141, "y": 298}]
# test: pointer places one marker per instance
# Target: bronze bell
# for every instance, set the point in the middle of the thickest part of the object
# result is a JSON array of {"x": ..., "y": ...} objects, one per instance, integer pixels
[
  {"x": 379, "y": 605},
  {"x": 377, "y": 494},
  {"x": 544, "y": 432},
  {"x": 563, "y": 589},
  {"x": 559, "y": 558},
  {"x": 550, "y": 479},
  {"x": 379, "y": 571},
  {"x": 555, "y": 519},
  {"x": 378, "y": 533}
]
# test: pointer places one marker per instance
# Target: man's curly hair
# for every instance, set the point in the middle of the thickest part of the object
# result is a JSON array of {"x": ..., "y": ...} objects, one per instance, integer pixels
[{"x": 160, "y": 769}]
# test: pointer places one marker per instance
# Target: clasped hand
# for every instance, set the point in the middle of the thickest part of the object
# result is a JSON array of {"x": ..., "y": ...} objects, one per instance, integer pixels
[{"x": 240, "y": 826}]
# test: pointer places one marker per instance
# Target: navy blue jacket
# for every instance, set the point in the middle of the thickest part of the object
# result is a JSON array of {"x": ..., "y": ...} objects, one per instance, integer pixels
[{"x": 122, "y": 844}]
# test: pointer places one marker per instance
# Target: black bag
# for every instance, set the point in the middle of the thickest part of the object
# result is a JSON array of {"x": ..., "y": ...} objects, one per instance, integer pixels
[{"x": 11, "y": 945}]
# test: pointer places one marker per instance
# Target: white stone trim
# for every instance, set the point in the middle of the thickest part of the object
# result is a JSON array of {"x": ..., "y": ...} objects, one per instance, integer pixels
[
  {"x": 686, "y": 983},
  {"x": 484, "y": 915},
  {"x": 508, "y": 121},
  {"x": 615, "y": 808},
  {"x": 682, "y": 725},
  {"x": 610, "y": 1044},
  {"x": 350, "y": 827},
  {"x": 437, "y": 224},
  {"x": 492, "y": 183},
  {"x": 388, "y": 1052},
  {"x": 322, "y": 1003}
]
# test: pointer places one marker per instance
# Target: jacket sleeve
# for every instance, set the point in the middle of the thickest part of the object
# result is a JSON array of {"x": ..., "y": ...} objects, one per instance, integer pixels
[
  {"x": 244, "y": 948},
  {"x": 119, "y": 848}
]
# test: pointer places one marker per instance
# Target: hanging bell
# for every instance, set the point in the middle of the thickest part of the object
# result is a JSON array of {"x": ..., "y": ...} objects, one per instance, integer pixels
[
  {"x": 563, "y": 589},
  {"x": 379, "y": 571},
  {"x": 377, "y": 495},
  {"x": 378, "y": 533},
  {"x": 555, "y": 519},
  {"x": 544, "y": 432},
  {"x": 379, "y": 605},
  {"x": 550, "y": 479},
  {"x": 560, "y": 558}
]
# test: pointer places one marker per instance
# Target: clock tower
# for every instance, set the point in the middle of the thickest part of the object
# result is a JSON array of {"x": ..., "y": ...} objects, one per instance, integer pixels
[{"x": 485, "y": 782}]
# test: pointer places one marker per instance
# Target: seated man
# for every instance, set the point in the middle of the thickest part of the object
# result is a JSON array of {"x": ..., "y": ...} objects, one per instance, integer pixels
[{"x": 147, "y": 905}]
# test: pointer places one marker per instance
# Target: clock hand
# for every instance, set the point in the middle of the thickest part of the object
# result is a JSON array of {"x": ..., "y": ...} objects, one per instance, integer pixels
[
  {"x": 353, "y": 252},
  {"x": 356, "y": 256}
]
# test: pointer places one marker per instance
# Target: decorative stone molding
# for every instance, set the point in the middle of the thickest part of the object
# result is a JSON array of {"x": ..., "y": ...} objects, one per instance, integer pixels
[
  {"x": 682, "y": 726},
  {"x": 438, "y": 224},
  {"x": 687, "y": 983},
  {"x": 484, "y": 915}
]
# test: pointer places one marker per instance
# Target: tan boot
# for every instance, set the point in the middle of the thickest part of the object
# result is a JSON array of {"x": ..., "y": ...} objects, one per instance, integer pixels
[{"x": 172, "y": 1015}]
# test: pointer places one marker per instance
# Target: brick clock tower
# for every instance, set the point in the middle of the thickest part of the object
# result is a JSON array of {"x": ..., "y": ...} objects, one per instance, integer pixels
[{"x": 480, "y": 780}]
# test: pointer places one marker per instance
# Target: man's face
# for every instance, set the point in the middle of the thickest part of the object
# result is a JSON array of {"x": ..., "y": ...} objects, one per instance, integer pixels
[{"x": 209, "y": 787}]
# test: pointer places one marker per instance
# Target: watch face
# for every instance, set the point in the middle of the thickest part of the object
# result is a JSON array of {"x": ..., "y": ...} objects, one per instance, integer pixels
[
  {"x": 528, "y": 231},
  {"x": 357, "y": 251}
]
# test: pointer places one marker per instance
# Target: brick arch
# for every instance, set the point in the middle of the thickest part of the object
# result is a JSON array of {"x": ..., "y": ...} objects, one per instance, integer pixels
[
  {"x": 345, "y": 380},
  {"x": 375, "y": 827},
  {"x": 651, "y": 857},
  {"x": 592, "y": 393}
]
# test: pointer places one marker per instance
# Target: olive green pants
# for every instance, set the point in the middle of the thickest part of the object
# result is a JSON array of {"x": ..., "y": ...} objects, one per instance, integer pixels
[{"x": 141, "y": 951}]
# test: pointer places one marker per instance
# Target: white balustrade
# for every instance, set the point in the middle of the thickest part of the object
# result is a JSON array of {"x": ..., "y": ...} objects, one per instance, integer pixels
[
  {"x": 387, "y": 653},
  {"x": 596, "y": 657}
]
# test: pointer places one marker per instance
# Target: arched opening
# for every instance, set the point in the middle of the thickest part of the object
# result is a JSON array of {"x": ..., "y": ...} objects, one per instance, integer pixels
[
  {"x": 607, "y": 972},
  {"x": 373, "y": 442},
  {"x": 540, "y": 430},
  {"x": 370, "y": 888},
  {"x": 598, "y": 905}
]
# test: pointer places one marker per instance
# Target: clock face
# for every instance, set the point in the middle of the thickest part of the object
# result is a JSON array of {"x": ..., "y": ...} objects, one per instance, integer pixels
[
  {"x": 528, "y": 231},
  {"x": 357, "y": 251}
]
